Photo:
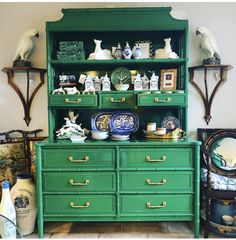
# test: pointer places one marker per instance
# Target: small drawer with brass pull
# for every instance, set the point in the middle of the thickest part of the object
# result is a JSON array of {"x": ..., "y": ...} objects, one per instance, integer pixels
[
  {"x": 155, "y": 157},
  {"x": 86, "y": 204},
  {"x": 74, "y": 182},
  {"x": 121, "y": 100},
  {"x": 89, "y": 100},
  {"x": 153, "y": 181},
  {"x": 82, "y": 158},
  {"x": 171, "y": 204},
  {"x": 161, "y": 99}
]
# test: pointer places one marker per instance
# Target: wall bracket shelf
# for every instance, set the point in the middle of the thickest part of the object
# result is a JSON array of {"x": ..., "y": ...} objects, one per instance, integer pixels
[
  {"x": 10, "y": 71},
  {"x": 207, "y": 100}
]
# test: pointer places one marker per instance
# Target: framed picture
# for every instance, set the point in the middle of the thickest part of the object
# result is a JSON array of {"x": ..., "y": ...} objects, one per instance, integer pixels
[
  {"x": 168, "y": 79},
  {"x": 146, "y": 48}
]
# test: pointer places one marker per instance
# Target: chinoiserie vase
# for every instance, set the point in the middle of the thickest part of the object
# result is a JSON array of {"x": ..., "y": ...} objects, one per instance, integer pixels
[
  {"x": 23, "y": 195},
  {"x": 127, "y": 53},
  {"x": 137, "y": 52},
  {"x": 118, "y": 52}
]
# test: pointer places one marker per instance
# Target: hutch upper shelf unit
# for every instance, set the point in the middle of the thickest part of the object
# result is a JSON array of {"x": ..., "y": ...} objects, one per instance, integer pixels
[{"x": 118, "y": 180}]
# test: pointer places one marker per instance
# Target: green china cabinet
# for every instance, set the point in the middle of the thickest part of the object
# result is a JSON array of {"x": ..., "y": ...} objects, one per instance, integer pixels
[{"x": 134, "y": 180}]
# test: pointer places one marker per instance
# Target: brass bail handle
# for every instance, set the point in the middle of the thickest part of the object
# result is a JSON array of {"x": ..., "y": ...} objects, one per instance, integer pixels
[
  {"x": 162, "y": 182},
  {"x": 162, "y": 159},
  {"x": 148, "y": 204},
  {"x": 67, "y": 100},
  {"x": 86, "y": 204},
  {"x": 84, "y": 183},
  {"x": 71, "y": 159},
  {"x": 162, "y": 100},
  {"x": 118, "y": 100}
]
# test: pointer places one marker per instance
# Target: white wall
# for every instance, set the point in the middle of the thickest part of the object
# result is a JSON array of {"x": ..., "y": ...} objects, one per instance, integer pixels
[{"x": 15, "y": 18}]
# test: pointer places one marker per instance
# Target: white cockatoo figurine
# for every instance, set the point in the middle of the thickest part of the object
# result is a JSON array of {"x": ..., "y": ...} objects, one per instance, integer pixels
[
  {"x": 208, "y": 45},
  {"x": 25, "y": 46}
]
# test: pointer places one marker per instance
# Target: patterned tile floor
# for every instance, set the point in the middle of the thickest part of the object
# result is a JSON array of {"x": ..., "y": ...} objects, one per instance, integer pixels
[{"x": 119, "y": 230}]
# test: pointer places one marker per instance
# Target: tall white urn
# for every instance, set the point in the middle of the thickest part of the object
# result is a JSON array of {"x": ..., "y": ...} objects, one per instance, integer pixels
[{"x": 23, "y": 195}]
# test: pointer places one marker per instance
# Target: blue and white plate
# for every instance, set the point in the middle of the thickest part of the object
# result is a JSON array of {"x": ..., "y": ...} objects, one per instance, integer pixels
[
  {"x": 124, "y": 122},
  {"x": 100, "y": 121},
  {"x": 170, "y": 123}
]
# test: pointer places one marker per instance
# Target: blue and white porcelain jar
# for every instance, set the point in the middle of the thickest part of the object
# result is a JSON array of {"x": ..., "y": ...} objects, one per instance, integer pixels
[
  {"x": 118, "y": 52},
  {"x": 127, "y": 53},
  {"x": 137, "y": 52}
]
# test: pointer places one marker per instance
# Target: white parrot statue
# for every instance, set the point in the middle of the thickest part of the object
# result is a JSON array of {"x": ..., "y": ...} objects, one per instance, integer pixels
[
  {"x": 25, "y": 45},
  {"x": 208, "y": 43}
]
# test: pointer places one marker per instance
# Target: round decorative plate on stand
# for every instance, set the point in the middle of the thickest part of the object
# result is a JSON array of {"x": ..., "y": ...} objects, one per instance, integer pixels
[
  {"x": 121, "y": 75},
  {"x": 170, "y": 123}
]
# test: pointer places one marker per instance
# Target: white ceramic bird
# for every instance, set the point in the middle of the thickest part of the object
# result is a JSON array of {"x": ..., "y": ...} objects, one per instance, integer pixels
[
  {"x": 25, "y": 45},
  {"x": 208, "y": 43}
]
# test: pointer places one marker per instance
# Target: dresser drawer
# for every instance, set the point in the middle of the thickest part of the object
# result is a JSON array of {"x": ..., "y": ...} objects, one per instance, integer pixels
[
  {"x": 78, "y": 182},
  {"x": 171, "y": 204},
  {"x": 156, "y": 157},
  {"x": 119, "y": 100},
  {"x": 176, "y": 181},
  {"x": 89, "y": 100},
  {"x": 80, "y": 158},
  {"x": 161, "y": 99},
  {"x": 83, "y": 205}
]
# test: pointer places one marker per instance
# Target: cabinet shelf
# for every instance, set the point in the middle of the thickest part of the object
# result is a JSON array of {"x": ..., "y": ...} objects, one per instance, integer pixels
[{"x": 113, "y": 62}]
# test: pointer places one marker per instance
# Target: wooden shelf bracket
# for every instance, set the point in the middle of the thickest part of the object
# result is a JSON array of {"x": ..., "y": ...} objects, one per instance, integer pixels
[
  {"x": 207, "y": 100},
  {"x": 10, "y": 71}
]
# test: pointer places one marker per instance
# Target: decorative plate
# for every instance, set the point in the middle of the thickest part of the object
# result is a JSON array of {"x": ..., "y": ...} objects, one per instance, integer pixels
[
  {"x": 100, "y": 121},
  {"x": 170, "y": 123},
  {"x": 121, "y": 75},
  {"x": 124, "y": 122}
]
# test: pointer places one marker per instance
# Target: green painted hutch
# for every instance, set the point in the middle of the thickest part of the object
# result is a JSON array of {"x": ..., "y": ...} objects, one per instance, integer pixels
[{"x": 134, "y": 180}]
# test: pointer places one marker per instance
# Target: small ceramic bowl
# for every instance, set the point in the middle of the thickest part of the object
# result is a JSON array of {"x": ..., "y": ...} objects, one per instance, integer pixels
[
  {"x": 228, "y": 220},
  {"x": 77, "y": 138},
  {"x": 99, "y": 135},
  {"x": 121, "y": 87},
  {"x": 161, "y": 131}
]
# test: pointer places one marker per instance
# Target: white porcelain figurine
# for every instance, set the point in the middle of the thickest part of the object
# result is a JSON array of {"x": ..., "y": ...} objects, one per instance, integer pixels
[
  {"x": 165, "y": 52},
  {"x": 99, "y": 53}
]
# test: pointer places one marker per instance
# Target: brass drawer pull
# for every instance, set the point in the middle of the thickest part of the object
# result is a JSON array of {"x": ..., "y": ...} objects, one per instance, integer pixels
[
  {"x": 67, "y": 100},
  {"x": 148, "y": 158},
  {"x": 72, "y": 204},
  {"x": 148, "y": 204},
  {"x": 86, "y": 158},
  {"x": 117, "y": 101},
  {"x": 162, "y": 100},
  {"x": 162, "y": 182},
  {"x": 84, "y": 183}
]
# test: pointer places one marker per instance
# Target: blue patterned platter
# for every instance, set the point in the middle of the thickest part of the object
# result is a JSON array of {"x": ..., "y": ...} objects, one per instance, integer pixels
[
  {"x": 100, "y": 121},
  {"x": 170, "y": 123},
  {"x": 124, "y": 122}
]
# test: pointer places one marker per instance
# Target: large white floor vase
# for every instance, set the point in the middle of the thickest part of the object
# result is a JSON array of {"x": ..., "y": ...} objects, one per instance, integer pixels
[{"x": 23, "y": 194}]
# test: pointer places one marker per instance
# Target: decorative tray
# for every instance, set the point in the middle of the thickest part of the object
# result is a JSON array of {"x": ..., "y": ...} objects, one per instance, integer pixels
[
  {"x": 176, "y": 134},
  {"x": 124, "y": 122},
  {"x": 100, "y": 121}
]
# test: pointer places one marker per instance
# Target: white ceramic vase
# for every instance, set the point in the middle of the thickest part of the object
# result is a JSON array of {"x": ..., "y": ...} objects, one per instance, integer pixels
[{"x": 23, "y": 195}]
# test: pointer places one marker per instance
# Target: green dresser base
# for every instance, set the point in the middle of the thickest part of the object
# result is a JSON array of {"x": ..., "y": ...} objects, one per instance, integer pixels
[{"x": 118, "y": 181}]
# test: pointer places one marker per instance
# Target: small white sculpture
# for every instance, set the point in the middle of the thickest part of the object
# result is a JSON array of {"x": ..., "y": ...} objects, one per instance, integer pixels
[
  {"x": 25, "y": 45},
  {"x": 154, "y": 82},
  {"x": 145, "y": 82},
  {"x": 138, "y": 86},
  {"x": 58, "y": 91},
  {"x": 71, "y": 90},
  {"x": 99, "y": 53},
  {"x": 70, "y": 128},
  {"x": 89, "y": 86},
  {"x": 106, "y": 83},
  {"x": 165, "y": 52},
  {"x": 208, "y": 45}
]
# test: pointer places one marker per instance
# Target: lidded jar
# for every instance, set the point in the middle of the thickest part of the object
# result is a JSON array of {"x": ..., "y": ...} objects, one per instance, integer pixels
[
  {"x": 127, "y": 53},
  {"x": 118, "y": 52}
]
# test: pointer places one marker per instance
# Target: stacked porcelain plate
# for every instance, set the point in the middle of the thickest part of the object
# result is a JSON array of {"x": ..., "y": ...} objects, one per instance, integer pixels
[{"x": 119, "y": 124}]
